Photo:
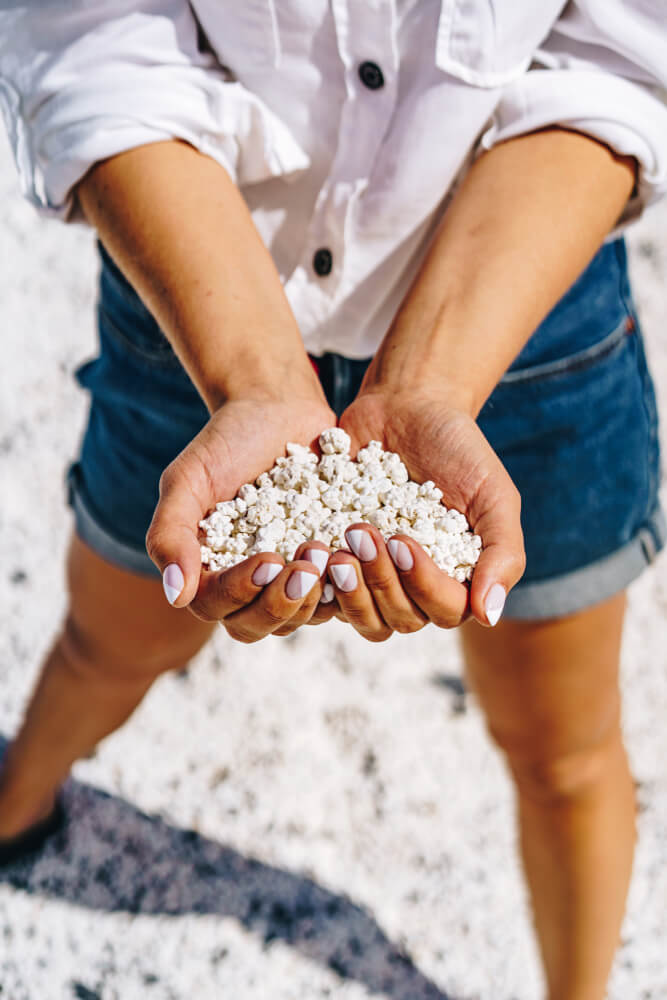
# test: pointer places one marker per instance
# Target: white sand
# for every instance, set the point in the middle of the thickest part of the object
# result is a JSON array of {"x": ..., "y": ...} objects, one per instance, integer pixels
[{"x": 354, "y": 826}]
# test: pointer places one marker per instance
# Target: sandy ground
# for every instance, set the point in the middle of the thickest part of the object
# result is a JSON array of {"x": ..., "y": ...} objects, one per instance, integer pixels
[{"x": 316, "y": 817}]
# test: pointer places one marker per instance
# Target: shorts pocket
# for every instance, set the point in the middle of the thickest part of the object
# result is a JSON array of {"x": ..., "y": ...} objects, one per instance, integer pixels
[{"x": 575, "y": 362}]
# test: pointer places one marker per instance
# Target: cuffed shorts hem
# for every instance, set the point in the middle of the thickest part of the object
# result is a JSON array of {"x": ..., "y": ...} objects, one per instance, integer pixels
[
  {"x": 101, "y": 541},
  {"x": 564, "y": 595}
]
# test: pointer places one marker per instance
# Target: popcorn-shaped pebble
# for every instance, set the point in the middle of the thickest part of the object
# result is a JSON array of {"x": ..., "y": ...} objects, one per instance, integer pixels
[
  {"x": 296, "y": 503},
  {"x": 423, "y": 531},
  {"x": 453, "y": 522},
  {"x": 429, "y": 491},
  {"x": 227, "y": 508},
  {"x": 335, "y": 468},
  {"x": 334, "y": 441},
  {"x": 248, "y": 493},
  {"x": 332, "y": 499},
  {"x": 300, "y": 452},
  {"x": 383, "y": 519}
]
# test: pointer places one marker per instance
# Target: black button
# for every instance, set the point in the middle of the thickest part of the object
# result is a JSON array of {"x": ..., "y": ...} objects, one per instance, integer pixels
[
  {"x": 322, "y": 261},
  {"x": 371, "y": 75}
]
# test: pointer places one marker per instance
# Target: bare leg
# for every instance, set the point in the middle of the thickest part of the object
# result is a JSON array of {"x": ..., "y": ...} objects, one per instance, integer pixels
[
  {"x": 550, "y": 694},
  {"x": 119, "y": 634}
]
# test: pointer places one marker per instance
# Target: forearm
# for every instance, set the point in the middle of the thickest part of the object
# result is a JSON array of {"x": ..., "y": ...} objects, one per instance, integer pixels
[
  {"x": 528, "y": 218},
  {"x": 180, "y": 231}
]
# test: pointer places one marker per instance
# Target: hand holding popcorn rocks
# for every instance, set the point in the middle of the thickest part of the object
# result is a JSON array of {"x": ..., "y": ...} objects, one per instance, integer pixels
[{"x": 304, "y": 498}]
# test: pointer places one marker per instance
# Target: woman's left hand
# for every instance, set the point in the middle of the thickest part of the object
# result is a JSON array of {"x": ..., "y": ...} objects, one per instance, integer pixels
[{"x": 396, "y": 586}]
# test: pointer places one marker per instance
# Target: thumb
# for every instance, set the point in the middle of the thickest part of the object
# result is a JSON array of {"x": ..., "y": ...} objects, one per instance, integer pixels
[
  {"x": 172, "y": 540},
  {"x": 502, "y": 560}
]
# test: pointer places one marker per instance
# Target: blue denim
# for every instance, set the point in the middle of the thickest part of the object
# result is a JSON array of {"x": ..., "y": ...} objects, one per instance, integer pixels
[{"x": 573, "y": 420}]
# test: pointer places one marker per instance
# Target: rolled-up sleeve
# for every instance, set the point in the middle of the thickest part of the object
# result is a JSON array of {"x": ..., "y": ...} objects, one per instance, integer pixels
[
  {"x": 601, "y": 71},
  {"x": 82, "y": 82}
]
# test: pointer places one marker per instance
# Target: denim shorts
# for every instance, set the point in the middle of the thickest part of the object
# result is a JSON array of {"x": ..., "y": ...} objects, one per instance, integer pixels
[{"x": 573, "y": 420}]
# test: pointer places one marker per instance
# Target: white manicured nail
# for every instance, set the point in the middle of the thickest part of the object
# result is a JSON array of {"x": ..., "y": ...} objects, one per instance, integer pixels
[
  {"x": 400, "y": 553},
  {"x": 362, "y": 544},
  {"x": 299, "y": 584},
  {"x": 344, "y": 576},
  {"x": 265, "y": 573},
  {"x": 318, "y": 557},
  {"x": 495, "y": 602},
  {"x": 173, "y": 581},
  {"x": 327, "y": 594}
]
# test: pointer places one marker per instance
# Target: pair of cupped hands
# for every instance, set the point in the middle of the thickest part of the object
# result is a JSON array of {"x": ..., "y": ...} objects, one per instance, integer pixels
[{"x": 379, "y": 588}]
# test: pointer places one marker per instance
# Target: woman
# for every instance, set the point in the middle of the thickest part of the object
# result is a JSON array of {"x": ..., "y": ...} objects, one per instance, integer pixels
[{"x": 417, "y": 195}]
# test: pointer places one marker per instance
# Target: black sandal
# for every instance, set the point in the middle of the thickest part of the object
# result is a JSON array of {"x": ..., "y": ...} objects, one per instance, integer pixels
[{"x": 32, "y": 840}]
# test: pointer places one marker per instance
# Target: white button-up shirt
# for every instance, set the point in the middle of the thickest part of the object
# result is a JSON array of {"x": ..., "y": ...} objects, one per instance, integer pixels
[{"x": 332, "y": 155}]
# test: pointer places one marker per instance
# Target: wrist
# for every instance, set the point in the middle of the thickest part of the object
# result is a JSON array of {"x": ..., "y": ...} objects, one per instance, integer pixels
[
  {"x": 417, "y": 367},
  {"x": 264, "y": 379}
]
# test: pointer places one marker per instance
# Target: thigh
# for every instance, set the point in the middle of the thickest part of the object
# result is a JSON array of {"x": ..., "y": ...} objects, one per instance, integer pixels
[
  {"x": 549, "y": 689},
  {"x": 120, "y": 621}
]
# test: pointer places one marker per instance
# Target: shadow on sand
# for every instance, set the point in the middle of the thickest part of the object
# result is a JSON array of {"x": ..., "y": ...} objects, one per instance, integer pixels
[{"x": 112, "y": 857}]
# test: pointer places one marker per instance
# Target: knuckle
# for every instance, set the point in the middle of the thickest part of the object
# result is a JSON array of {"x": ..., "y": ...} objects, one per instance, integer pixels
[
  {"x": 444, "y": 620},
  {"x": 382, "y": 583},
  {"x": 167, "y": 479},
  {"x": 355, "y": 615},
  {"x": 200, "y": 610},
  {"x": 376, "y": 635},
  {"x": 407, "y": 626},
  {"x": 154, "y": 544},
  {"x": 274, "y": 614},
  {"x": 238, "y": 633}
]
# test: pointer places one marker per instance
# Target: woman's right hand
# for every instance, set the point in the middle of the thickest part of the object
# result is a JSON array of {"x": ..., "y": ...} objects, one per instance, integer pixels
[{"x": 241, "y": 439}]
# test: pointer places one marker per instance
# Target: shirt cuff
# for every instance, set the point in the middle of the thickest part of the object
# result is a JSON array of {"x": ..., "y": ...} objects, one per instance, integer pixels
[
  {"x": 57, "y": 144},
  {"x": 623, "y": 115}
]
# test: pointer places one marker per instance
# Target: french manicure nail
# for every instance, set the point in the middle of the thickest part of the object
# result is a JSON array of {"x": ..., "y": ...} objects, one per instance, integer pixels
[
  {"x": 327, "y": 593},
  {"x": 344, "y": 576},
  {"x": 400, "y": 553},
  {"x": 318, "y": 557},
  {"x": 494, "y": 604},
  {"x": 265, "y": 573},
  {"x": 362, "y": 544},
  {"x": 299, "y": 584},
  {"x": 173, "y": 581}
]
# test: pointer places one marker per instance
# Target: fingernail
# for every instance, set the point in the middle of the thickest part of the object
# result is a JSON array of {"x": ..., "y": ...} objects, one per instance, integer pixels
[
  {"x": 495, "y": 602},
  {"x": 344, "y": 576},
  {"x": 362, "y": 544},
  {"x": 400, "y": 553},
  {"x": 299, "y": 584},
  {"x": 173, "y": 581},
  {"x": 318, "y": 557},
  {"x": 265, "y": 573},
  {"x": 327, "y": 594}
]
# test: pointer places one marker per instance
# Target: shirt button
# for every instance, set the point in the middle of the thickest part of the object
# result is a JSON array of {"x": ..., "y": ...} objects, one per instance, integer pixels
[
  {"x": 371, "y": 75},
  {"x": 322, "y": 261}
]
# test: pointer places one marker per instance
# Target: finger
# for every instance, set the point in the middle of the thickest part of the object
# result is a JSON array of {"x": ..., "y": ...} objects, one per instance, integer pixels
[
  {"x": 327, "y": 608},
  {"x": 172, "y": 541},
  {"x": 221, "y": 594},
  {"x": 443, "y": 600},
  {"x": 316, "y": 553},
  {"x": 355, "y": 599},
  {"x": 278, "y": 602},
  {"x": 399, "y": 612},
  {"x": 502, "y": 559}
]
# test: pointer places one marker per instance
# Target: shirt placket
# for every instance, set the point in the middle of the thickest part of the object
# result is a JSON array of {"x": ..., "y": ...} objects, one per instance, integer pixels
[{"x": 368, "y": 49}]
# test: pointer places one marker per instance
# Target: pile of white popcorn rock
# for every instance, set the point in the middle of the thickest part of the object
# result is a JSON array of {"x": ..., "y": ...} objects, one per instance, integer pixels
[{"x": 309, "y": 498}]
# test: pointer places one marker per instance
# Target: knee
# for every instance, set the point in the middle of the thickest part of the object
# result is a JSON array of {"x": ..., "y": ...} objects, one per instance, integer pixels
[
  {"x": 114, "y": 657},
  {"x": 548, "y": 775}
]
